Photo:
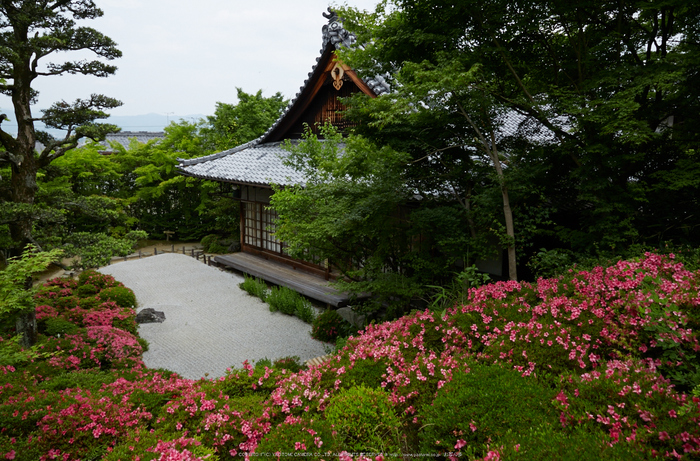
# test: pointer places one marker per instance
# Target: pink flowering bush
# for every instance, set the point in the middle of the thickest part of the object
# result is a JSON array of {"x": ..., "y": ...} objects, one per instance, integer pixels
[
  {"x": 98, "y": 279},
  {"x": 597, "y": 364}
]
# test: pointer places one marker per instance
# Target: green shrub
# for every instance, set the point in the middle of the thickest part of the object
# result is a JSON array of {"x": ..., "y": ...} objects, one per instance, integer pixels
[
  {"x": 24, "y": 449},
  {"x": 123, "y": 296},
  {"x": 305, "y": 311},
  {"x": 262, "y": 363},
  {"x": 89, "y": 303},
  {"x": 217, "y": 248},
  {"x": 152, "y": 402},
  {"x": 58, "y": 326},
  {"x": 284, "y": 299},
  {"x": 300, "y": 439},
  {"x": 144, "y": 344},
  {"x": 366, "y": 372},
  {"x": 457, "y": 291},
  {"x": 551, "y": 263},
  {"x": 251, "y": 404},
  {"x": 238, "y": 383},
  {"x": 142, "y": 446},
  {"x": 583, "y": 443},
  {"x": 207, "y": 241},
  {"x": 87, "y": 290},
  {"x": 328, "y": 326},
  {"x": 91, "y": 380},
  {"x": 481, "y": 406},
  {"x": 254, "y": 286},
  {"x": 66, "y": 302},
  {"x": 291, "y": 364},
  {"x": 364, "y": 420}
]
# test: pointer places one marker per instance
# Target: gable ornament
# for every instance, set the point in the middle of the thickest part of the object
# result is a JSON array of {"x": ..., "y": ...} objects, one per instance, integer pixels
[{"x": 337, "y": 73}]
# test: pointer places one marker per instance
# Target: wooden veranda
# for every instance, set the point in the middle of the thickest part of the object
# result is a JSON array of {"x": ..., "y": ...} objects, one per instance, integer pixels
[{"x": 310, "y": 285}]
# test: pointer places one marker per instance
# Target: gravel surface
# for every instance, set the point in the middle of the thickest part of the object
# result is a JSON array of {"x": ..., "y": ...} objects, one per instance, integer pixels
[{"x": 211, "y": 324}]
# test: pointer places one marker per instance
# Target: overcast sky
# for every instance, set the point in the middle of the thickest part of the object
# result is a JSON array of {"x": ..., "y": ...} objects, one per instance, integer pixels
[{"x": 181, "y": 56}]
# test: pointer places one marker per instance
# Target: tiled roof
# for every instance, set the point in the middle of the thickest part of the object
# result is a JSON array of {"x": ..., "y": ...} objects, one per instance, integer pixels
[
  {"x": 335, "y": 36},
  {"x": 125, "y": 137},
  {"x": 251, "y": 163},
  {"x": 514, "y": 124}
]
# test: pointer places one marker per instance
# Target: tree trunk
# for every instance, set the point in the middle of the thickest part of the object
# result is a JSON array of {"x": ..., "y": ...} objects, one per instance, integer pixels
[
  {"x": 492, "y": 151},
  {"x": 25, "y": 167},
  {"x": 26, "y": 323},
  {"x": 24, "y": 189},
  {"x": 510, "y": 230},
  {"x": 26, "y": 326},
  {"x": 507, "y": 212}
]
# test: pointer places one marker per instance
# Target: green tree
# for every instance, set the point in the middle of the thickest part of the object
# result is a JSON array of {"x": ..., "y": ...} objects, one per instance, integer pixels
[
  {"x": 348, "y": 212},
  {"x": 31, "y": 31},
  {"x": 235, "y": 124},
  {"x": 17, "y": 293},
  {"x": 163, "y": 200},
  {"x": 611, "y": 84}
]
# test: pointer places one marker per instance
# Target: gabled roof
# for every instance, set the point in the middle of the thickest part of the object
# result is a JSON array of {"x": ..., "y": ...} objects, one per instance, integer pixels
[{"x": 259, "y": 162}]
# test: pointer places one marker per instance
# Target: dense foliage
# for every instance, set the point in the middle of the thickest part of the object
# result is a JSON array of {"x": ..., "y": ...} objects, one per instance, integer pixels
[
  {"x": 589, "y": 107},
  {"x": 597, "y": 364},
  {"x": 91, "y": 204},
  {"x": 31, "y": 34},
  {"x": 349, "y": 212}
]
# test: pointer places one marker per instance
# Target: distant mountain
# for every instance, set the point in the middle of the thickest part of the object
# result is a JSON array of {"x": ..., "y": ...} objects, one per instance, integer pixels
[
  {"x": 149, "y": 122},
  {"x": 146, "y": 122}
]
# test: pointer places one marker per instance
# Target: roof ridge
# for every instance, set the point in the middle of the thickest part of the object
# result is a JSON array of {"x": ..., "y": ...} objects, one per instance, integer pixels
[{"x": 206, "y": 158}]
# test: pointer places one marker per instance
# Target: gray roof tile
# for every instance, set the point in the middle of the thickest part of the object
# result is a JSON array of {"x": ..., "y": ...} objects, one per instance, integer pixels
[
  {"x": 124, "y": 137},
  {"x": 255, "y": 164}
]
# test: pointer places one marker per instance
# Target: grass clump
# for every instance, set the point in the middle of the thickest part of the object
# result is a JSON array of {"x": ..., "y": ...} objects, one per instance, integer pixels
[
  {"x": 305, "y": 311},
  {"x": 290, "y": 302},
  {"x": 254, "y": 286},
  {"x": 283, "y": 299}
]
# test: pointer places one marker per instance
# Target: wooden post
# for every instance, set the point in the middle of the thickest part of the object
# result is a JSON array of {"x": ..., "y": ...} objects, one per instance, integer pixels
[
  {"x": 173, "y": 248},
  {"x": 139, "y": 254},
  {"x": 209, "y": 262},
  {"x": 183, "y": 249},
  {"x": 155, "y": 251},
  {"x": 124, "y": 257},
  {"x": 193, "y": 252}
]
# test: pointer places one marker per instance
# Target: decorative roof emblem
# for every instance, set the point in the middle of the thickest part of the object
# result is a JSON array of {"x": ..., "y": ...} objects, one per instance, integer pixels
[
  {"x": 337, "y": 73},
  {"x": 334, "y": 32}
]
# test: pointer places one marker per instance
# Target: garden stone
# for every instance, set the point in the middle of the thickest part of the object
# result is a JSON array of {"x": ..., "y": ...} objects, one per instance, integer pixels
[
  {"x": 150, "y": 315},
  {"x": 352, "y": 317}
]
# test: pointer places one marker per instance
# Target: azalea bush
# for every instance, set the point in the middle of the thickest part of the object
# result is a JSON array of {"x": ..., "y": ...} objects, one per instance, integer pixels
[
  {"x": 597, "y": 364},
  {"x": 328, "y": 326}
]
